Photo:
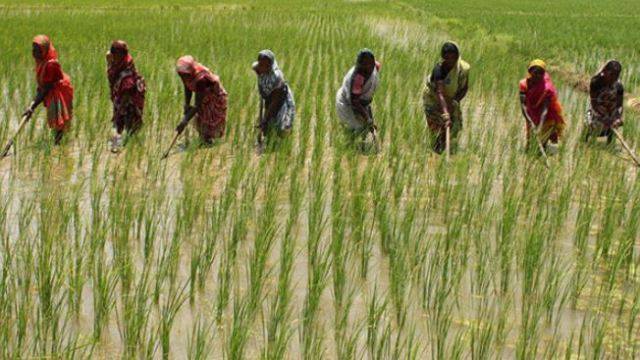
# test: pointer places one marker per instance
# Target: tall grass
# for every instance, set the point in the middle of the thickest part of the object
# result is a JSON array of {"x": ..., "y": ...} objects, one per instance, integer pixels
[{"x": 317, "y": 249}]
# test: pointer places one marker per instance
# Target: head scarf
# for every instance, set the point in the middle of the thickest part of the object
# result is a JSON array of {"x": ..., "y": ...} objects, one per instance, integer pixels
[
  {"x": 47, "y": 51},
  {"x": 448, "y": 48},
  {"x": 364, "y": 53},
  {"x": 536, "y": 63},
  {"x": 268, "y": 54},
  {"x": 612, "y": 65},
  {"x": 186, "y": 65},
  {"x": 116, "y": 67}
]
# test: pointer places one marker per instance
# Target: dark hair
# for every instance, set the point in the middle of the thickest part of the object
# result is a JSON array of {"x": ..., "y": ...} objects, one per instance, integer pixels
[
  {"x": 365, "y": 54},
  {"x": 613, "y": 66},
  {"x": 449, "y": 48},
  {"x": 119, "y": 47}
]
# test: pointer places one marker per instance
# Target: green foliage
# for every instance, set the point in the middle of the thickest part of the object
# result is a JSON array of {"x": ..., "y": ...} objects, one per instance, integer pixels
[{"x": 315, "y": 249}]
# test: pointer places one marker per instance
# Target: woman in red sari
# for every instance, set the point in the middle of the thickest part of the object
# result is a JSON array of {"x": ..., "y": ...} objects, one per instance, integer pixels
[
  {"x": 127, "y": 92},
  {"x": 539, "y": 103},
  {"x": 211, "y": 99},
  {"x": 54, "y": 87}
]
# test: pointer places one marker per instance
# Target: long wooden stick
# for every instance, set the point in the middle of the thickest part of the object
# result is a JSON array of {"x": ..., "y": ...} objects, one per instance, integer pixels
[
  {"x": 626, "y": 146},
  {"x": 23, "y": 122},
  {"x": 261, "y": 130},
  {"x": 447, "y": 138},
  {"x": 540, "y": 146},
  {"x": 173, "y": 142}
]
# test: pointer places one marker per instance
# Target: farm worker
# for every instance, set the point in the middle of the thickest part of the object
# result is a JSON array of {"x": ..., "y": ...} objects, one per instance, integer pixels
[
  {"x": 606, "y": 103},
  {"x": 54, "y": 88},
  {"x": 127, "y": 92},
  {"x": 211, "y": 99},
  {"x": 444, "y": 89},
  {"x": 353, "y": 100},
  {"x": 540, "y": 105},
  {"x": 278, "y": 109}
]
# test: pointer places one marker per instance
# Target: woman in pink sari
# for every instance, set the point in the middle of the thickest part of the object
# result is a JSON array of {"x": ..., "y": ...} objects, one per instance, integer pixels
[
  {"x": 127, "y": 92},
  {"x": 540, "y": 105},
  {"x": 54, "y": 87},
  {"x": 211, "y": 99}
]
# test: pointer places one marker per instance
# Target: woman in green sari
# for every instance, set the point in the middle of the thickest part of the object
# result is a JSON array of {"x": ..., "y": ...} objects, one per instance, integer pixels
[{"x": 445, "y": 88}]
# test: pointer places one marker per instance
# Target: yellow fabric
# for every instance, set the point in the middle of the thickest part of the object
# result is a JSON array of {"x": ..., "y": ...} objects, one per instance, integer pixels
[
  {"x": 537, "y": 62},
  {"x": 456, "y": 78}
]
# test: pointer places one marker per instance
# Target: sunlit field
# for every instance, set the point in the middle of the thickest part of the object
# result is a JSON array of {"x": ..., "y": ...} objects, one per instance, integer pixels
[{"x": 316, "y": 249}]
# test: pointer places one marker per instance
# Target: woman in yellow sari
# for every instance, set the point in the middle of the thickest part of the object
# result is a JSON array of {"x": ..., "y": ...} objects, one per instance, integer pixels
[{"x": 445, "y": 88}]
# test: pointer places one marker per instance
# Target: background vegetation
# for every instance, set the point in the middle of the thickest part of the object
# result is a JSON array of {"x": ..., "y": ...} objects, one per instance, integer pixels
[{"x": 315, "y": 249}]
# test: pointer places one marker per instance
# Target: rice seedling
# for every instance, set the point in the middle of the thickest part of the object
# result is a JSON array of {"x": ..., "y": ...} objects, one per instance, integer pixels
[{"x": 217, "y": 252}]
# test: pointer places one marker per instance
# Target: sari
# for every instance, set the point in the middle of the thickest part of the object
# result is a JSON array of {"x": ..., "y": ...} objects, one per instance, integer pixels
[
  {"x": 59, "y": 100},
  {"x": 127, "y": 90},
  {"x": 606, "y": 104},
  {"x": 270, "y": 81},
  {"x": 536, "y": 95},
  {"x": 355, "y": 83},
  {"x": 455, "y": 81},
  {"x": 212, "y": 113}
]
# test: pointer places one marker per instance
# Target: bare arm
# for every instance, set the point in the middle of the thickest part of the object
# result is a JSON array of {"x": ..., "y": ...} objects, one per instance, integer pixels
[
  {"x": 360, "y": 109},
  {"x": 443, "y": 101},
  {"x": 38, "y": 99},
  {"x": 523, "y": 108},
  {"x": 190, "y": 111}
]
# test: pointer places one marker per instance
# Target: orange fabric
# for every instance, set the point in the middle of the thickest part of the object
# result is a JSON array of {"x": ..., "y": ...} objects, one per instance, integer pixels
[
  {"x": 550, "y": 131},
  {"x": 59, "y": 100}
]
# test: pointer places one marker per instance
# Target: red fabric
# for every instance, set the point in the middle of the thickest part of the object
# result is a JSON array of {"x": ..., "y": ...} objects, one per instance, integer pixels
[
  {"x": 127, "y": 93},
  {"x": 212, "y": 114},
  {"x": 358, "y": 84},
  {"x": 535, "y": 97},
  {"x": 59, "y": 100}
]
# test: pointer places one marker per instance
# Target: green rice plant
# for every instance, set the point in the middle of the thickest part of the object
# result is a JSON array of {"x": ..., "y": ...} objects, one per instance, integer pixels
[
  {"x": 278, "y": 332},
  {"x": 399, "y": 254},
  {"x": 176, "y": 297},
  {"x": 104, "y": 282},
  {"x": 378, "y": 340},
  {"x": 200, "y": 340},
  {"x": 135, "y": 318}
]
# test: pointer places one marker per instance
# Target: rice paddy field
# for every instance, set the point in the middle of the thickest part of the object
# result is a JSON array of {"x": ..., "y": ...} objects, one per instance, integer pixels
[{"x": 315, "y": 249}]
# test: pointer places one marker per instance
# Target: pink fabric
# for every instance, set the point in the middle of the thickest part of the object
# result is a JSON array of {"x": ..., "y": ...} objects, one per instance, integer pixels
[
  {"x": 535, "y": 97},
  {"x": 359, "y": 81}
]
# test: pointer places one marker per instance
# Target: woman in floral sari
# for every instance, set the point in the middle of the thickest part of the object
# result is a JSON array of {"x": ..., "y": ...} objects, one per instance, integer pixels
[
  {"x": 54, "y": 88},
  {"x": 211, "y": 99},
  {"x": 606, "y": 102},
  {"x": 127, "y": 92},
  {"x": 540, "y": 105},
  {"x": 276, "y": 97}
]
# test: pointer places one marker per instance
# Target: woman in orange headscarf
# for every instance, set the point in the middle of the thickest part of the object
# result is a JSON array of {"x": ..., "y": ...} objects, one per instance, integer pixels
[
  {"x": 127, "y": 92},
  {"x": 211, "y": 99},
  {"x": 54, "y": 87},
  {"x": 540, "y": 105}
]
